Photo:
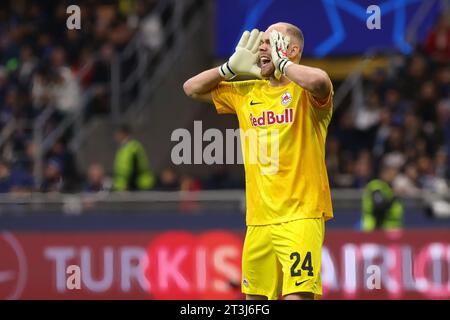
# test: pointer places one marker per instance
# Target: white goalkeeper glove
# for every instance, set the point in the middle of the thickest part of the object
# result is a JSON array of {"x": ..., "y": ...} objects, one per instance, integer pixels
[
  {"x": 245, "y": 58},
  {"x": 279, "y": 45}
]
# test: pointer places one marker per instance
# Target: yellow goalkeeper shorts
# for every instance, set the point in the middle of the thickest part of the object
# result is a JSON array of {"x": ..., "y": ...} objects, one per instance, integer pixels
[{"x": 283, "y": 258}]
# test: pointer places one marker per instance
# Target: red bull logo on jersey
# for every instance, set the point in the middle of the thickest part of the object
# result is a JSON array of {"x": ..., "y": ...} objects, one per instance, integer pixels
[{"x": 270, "y": 117}]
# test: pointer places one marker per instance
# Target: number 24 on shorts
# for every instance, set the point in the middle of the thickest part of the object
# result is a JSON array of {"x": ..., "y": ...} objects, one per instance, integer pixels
[{"x": 306, "y": 265}]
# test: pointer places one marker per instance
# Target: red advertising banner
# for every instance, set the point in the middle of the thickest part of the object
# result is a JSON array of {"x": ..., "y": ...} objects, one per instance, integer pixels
[{"x": 187, "y": 265}]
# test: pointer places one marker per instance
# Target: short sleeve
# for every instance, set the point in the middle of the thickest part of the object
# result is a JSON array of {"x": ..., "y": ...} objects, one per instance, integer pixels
[
  {"x": 228, "y": 96},
  {"x": 325, "y": 103}
]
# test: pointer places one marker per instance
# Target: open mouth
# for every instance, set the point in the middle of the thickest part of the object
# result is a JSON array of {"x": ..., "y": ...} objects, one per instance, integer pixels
[{"x": 265, "y": 61}]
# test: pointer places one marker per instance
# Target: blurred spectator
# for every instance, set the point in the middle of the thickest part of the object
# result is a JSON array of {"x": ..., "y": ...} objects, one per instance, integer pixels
[
  {"x": 53, "y": 180},
  {"x": 396, "y": 105},
  {"x": 425, "y": 106},
  {"x": 346, "y": 176},
  {"x": 3, "y": 83},
  {"x": 378, "y": 82},
  {"x": 150, "y": 25},
  {"x": 22, "y": 180},
  {"x": 105, "y": 14},
  {"x": 406, "y": 183},
  {"x": 366, "y": 120},
  {"x": 442, "y": 81},
  {"x": 412, "y": 128},
  {"x": 83, "y": 67},
  {"x": 5, "y": 180},
  {"x": 40, "y": 89},
  {"x": 188, "y": 183},
  {"x": 120, "y": 33},
  {"x": 10, "y": 107},
  {"x": 368, "y": 116},
  {"x": 101, "y": 77},
  {"x": 65, "y": 90},
  {"x": 332, "y": 159},
  {"x": 168, "y": 180},
  {"x": 24, "y": 155},
  {"x": 345, "y": 132},
  {"x": 437, "y": 43},
  {"x": 414, "y": 75},
  {"x": 188, "y": 201},
  {"x": 28, "y": 64},
  {"x": 97, "y": 181},
  {"x": 131, "y": 168},
  {"x": 394, "y": 155},
  {"x": 363, "y": 170},
  {"x": 444, "y": 128},
  {"x": 381, "y": 208},
  {"x": 428, "y": 179},
  {"x": 60, "y": 153},
  {"x": 441, "y": 164},
  {"x": 73, "y": 44},
  {"x": 382, "y": 133}
]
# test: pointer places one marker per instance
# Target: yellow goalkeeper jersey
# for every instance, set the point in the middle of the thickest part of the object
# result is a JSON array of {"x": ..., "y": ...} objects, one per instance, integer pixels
[{"x": 283, "y": 131}]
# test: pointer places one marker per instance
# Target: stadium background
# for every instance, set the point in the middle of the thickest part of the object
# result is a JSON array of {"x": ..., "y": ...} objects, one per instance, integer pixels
[{"x": 63, "y": 92}]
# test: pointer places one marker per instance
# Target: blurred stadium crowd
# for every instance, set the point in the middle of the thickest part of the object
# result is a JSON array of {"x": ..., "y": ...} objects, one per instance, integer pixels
[
  {"x": 43, "y": 65},
  {"x": 403, "y": 123}
]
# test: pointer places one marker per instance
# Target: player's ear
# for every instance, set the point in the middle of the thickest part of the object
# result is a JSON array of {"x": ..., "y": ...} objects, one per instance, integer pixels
[
  {"x": 300, "y": 52},
  {"x": 294, "y": 50}
]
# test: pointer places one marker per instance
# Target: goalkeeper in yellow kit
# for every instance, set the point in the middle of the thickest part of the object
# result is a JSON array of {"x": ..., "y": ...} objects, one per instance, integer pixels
[{"x": 286, "y": 207}]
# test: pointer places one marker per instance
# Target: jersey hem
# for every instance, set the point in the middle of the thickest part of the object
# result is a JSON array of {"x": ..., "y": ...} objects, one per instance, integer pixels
[{"x": 278, "y": 221}]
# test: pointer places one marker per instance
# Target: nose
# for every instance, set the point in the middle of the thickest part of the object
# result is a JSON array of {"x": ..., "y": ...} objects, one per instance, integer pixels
[{"x": 263, "y": 47}]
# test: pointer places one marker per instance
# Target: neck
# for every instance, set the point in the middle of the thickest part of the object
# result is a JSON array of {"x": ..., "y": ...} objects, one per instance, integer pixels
[{"x": 278, "y": 83}]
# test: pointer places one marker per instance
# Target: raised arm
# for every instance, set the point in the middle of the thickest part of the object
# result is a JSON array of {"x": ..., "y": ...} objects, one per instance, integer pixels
[
  {"x": 314, "y": 80},
  {"x": 242, "y": 62},
  {"x": 199, "y": 87}
]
